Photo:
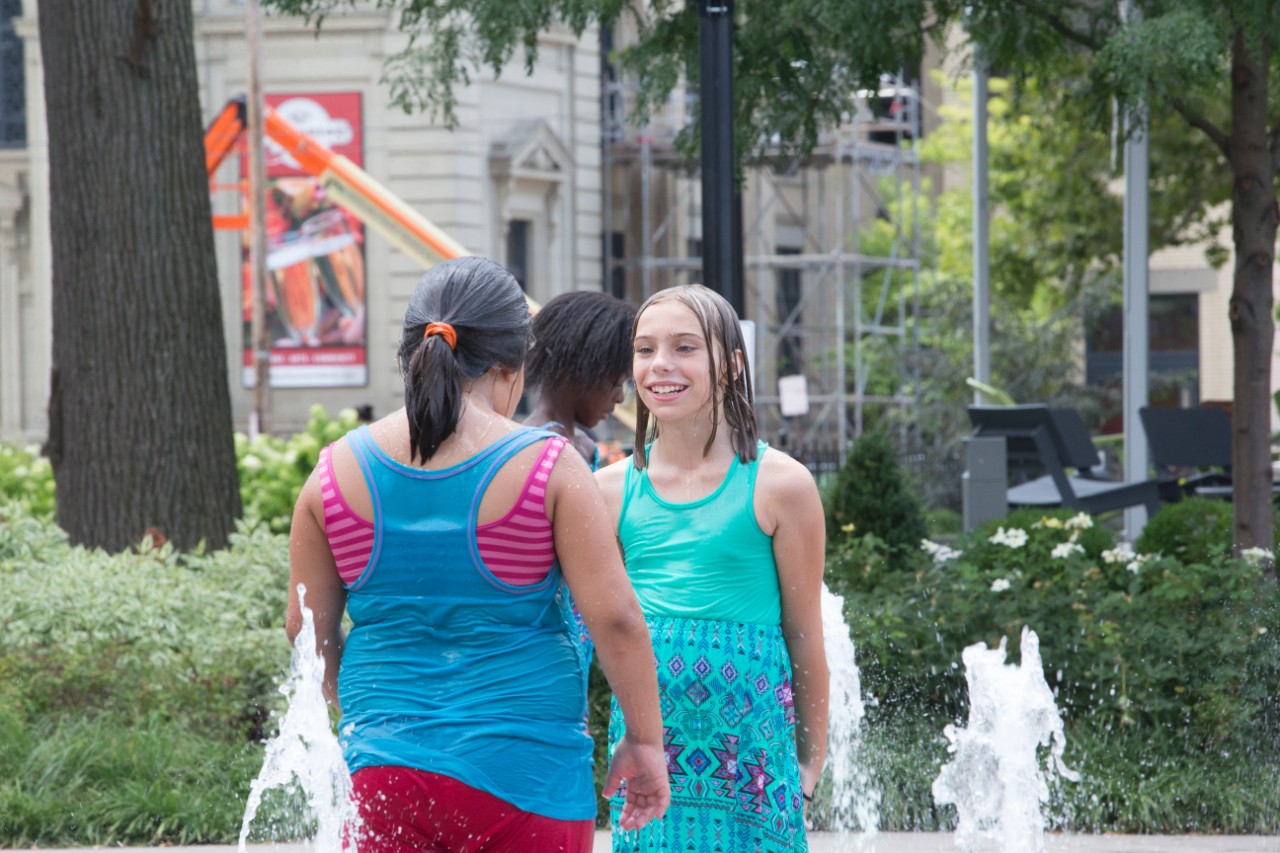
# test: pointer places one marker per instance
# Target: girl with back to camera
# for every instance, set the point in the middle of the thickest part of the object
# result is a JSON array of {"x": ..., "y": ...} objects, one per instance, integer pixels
[
  {"x": 443, "y": 530},
  {"x": 723, "y": 539}
]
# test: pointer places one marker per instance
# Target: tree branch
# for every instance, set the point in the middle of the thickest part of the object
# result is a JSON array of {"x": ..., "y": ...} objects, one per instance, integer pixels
[
  {"x": 1059, "y": 25},
  {"x": 1211, "y": 130}
]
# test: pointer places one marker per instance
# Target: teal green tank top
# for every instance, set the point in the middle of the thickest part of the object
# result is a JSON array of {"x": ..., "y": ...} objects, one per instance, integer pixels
[{"x": 707, "y": 559}]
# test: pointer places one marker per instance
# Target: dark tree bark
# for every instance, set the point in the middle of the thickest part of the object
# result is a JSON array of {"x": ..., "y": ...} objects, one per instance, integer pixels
[
  {"x": 140, "y": 429},
  {"x": 1254, "y": 215}
]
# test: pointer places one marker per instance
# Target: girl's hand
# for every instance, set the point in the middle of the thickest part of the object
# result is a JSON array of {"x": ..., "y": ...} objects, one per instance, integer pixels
[
  {"x": 644, "y": 768},
  {"x": 809, "y": 774}
]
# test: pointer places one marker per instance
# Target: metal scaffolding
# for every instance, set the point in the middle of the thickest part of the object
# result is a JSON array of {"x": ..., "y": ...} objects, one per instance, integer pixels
[{"x": 832, "y": 246}]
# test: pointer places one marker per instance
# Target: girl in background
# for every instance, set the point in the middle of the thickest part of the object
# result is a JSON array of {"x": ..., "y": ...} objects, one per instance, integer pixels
[
  {"x": 443, "y": 531},
  {"x": 579, "y": 364},
  {"x": 724, "y": 542}
]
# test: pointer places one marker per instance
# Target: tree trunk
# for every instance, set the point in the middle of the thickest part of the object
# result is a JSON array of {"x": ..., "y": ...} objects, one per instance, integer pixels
[
  {"x": 140, "y": 430},
  {"x": 1254, "y": 216}
]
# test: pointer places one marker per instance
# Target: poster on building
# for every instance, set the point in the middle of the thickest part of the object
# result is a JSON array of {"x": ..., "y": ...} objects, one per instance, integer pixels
[{"x": 315, "y": 286}]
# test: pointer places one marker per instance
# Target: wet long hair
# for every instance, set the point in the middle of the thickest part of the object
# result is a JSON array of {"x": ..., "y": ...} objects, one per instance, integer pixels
[
  {"x": 731, "y": 396},
  {"x": 488, "y": 312},
  {"x": 581, "y": 339}
]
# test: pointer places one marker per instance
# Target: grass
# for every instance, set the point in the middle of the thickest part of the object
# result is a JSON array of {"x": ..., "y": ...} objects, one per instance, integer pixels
[
  {"x": 1131, "y": 783},
  {"x": 113, "y": 781}
]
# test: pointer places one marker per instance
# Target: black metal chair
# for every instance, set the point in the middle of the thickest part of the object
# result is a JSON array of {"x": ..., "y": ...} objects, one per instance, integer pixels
[
  {"x": 1190, "y": 449},
  {"x": 1059, "y": 441}
]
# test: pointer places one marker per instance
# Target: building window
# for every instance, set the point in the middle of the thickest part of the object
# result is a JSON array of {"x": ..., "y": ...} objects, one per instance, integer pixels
[
  {"x": 13, "y": 107},
  {"x": 790, "y": 342},
  {"x": 1173, "y": 332},
  {"x": 518, "y": 250}
]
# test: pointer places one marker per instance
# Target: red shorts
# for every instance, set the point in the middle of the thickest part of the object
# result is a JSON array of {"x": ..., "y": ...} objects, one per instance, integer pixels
[{"x": 403, "y": 810}]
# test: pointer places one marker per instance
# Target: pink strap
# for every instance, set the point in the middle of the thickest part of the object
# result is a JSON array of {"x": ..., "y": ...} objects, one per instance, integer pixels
[
  {"x": 519, "y": 548},
  {"x": 350, "y": 536}
]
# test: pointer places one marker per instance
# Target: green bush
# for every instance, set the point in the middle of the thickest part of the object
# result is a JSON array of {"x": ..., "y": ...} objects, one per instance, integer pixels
[
  {"x": 26, "y": 481},
  {"x": 136, "y": 685},
  {"x": 1131, "y": 781},
  {"x": 1128, "y": 641},
  {"x": 1194, "y": 530},
  {"x": 273, "y": 470},
  {"x": 871, "y": 494}
]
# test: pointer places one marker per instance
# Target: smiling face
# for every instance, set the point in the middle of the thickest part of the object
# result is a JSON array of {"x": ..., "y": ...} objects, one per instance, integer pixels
[{"x": 673, "y": 362}]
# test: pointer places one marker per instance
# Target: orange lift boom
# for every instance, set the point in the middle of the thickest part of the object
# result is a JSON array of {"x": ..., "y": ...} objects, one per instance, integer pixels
[{"x": 344, "y": 181}]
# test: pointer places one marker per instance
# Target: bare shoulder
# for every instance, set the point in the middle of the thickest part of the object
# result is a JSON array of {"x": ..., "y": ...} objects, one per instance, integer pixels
[
  {"x": 612, "y": 477},
  {"x": 784, "y": 479}
]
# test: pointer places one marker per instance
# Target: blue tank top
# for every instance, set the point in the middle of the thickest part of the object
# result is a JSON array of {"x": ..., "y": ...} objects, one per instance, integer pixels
[
  {"x": 706, "y": 559},
  {"x": 449, "y": 669}
]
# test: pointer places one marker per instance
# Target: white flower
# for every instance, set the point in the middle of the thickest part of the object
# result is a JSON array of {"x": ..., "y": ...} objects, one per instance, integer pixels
[
  {"x": 1257, "y": 555},
  {"x": 940, "y": 553},
  {"x": 1080, "y": 521},
  {"x": 1066, "y": 549},
  {"x": 1135, "y": 565},
  {"x": 1119, "y": 554},
  {"x": 251, "y": 462},
  {"x": 1014, "y": 537},
  {"x": 999, "y": 584}
]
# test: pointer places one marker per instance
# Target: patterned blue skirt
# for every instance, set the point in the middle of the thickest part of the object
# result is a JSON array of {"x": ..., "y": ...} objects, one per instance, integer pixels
[{"x": 729, "y": 733}]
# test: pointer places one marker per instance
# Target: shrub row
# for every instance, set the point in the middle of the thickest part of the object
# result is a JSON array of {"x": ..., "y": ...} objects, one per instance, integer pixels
[
  {"x": 1127, "y": 640},
  {"x": 134, "y": 687}
]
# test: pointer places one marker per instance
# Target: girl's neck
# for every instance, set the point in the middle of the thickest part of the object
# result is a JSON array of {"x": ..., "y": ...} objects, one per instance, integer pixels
[
  {"x": 546, "y": 411},
  {"x": 684, "y": 445}
]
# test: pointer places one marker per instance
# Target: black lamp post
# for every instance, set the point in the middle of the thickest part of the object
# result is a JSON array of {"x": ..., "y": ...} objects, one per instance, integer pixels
[{"x": 721, "y": 201}]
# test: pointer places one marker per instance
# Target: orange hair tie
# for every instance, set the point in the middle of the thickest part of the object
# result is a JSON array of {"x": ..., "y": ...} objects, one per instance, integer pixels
[{"x": 445, "y": 331}]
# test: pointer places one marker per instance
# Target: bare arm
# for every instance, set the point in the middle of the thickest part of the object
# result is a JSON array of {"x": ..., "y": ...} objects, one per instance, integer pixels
[
  {"x": 611, "y": 479},
  {"x": 792, "y": 508},
  {"x": 587, "y": 549},
  {"x": 311, "y": 564}
]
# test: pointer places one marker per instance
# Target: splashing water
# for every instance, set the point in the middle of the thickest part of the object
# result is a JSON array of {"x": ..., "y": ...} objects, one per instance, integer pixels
[
  {"x": 995, "y": 780},
  {"x": 855, "y": 804},
  {"x": 306, "y": 752}
]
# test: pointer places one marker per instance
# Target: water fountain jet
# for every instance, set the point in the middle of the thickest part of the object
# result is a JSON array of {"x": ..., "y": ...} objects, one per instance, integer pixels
[
  {"x": 995, "y": 779},
  {"x": 855, "y": 803},
  {"x": 306, "y": 752}
]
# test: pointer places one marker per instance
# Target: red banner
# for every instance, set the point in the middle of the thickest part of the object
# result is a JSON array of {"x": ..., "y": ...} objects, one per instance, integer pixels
[{"x": 316, "y": 302}]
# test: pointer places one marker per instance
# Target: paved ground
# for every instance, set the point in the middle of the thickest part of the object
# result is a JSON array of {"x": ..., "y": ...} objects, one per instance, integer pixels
[{"x": 896, "y": 842}]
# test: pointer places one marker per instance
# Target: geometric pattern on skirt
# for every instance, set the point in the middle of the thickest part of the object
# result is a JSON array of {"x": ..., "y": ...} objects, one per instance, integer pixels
[{"x": 729, "y": 731}]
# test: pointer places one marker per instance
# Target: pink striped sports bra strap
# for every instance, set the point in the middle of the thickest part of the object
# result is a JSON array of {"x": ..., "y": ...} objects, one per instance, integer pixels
[
  {"x": 350, "y": 537},
  {"x": 519, "y": 548},
  {"x": 541, "y": 471}
]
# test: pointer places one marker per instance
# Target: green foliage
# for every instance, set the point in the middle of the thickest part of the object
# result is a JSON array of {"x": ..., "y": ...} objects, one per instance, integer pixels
[
  {"x": 110, "y": 781},
  {"x": 26, "y": 480},
  {"x": 273, "y": 470},
  {"x": 1139, "y": 782},
  {"x": 792, "y": 72},
  {"x": 870, "y": 494},
  {"x": 152, "y": 669},
  {"x": 1131, "y": 781},
  {"x": 1131, "y": 642},
  {"x": 1195, "y": 530}
]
